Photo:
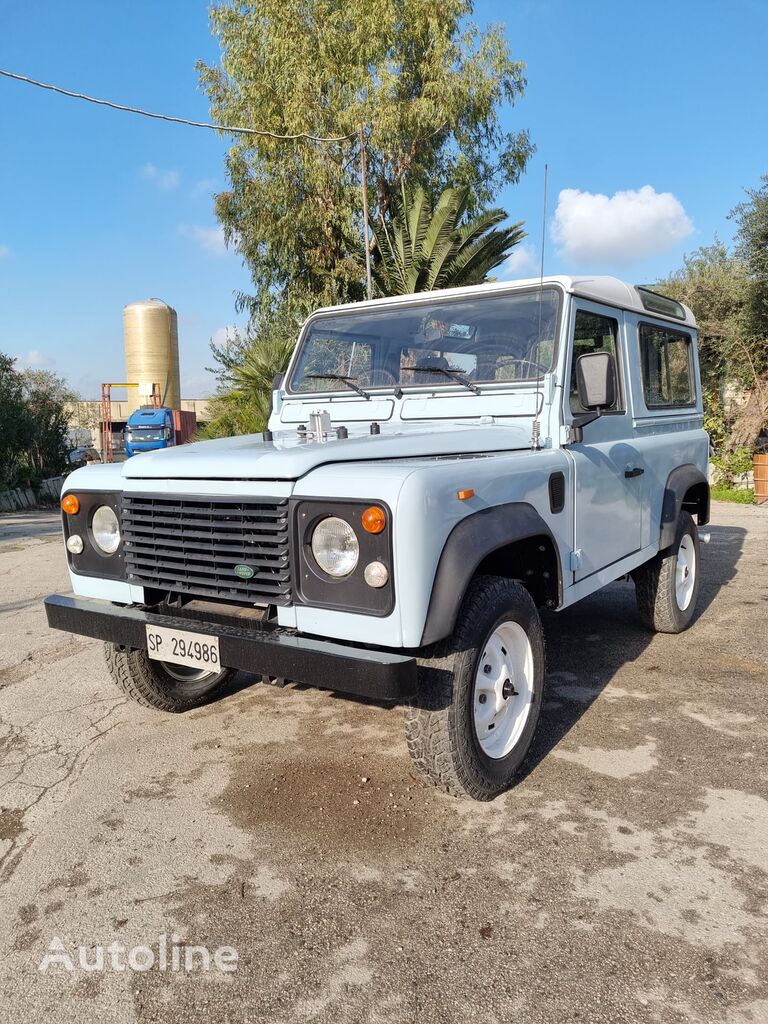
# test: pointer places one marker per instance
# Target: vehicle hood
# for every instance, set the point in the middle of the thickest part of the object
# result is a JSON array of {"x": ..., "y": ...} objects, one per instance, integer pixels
[{"x": 288, "y": 457}]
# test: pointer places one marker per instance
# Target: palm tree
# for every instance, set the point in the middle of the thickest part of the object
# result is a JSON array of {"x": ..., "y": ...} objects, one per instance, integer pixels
[
  {"x": 241, "y": 405},
  {"x": 426, "y": 246}
]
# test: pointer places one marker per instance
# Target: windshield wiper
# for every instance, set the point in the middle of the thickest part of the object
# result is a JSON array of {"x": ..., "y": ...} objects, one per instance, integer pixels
[
  {"x": 453, "y": 373},
  {"x": 351, "y": 381}
]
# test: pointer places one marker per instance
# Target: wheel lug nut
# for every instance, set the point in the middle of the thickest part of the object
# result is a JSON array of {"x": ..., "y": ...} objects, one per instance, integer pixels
[{"x": 482, "y": 698}]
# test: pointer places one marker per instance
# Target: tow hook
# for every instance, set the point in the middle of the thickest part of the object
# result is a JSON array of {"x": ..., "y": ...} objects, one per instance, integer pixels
[{"x": 704, "y": 537}]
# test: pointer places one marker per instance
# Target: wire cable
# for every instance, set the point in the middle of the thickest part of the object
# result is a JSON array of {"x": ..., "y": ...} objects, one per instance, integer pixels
[{"x": 178, "y": 120}]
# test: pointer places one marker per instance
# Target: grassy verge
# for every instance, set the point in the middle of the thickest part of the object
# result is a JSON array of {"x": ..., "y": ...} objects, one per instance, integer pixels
[{"x": 744, "y": 496}]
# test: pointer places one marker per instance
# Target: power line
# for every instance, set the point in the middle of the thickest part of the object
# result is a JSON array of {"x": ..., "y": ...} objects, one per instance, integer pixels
[{"x": 178, "y": 120}]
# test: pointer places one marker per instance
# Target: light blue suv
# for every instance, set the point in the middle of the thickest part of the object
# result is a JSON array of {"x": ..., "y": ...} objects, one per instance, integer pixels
[{"x": 437, "y": 467}]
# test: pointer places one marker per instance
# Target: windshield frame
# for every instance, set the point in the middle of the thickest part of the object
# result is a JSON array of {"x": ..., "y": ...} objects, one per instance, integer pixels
[{"x": 424, "y": 299}]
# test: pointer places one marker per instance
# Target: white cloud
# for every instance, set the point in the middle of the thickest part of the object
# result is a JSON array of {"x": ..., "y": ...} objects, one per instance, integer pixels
[
  {"x": 4, "y": 251},
  {"x": 224, "y": 334},
  {"x": 33, "y": 360},
  {"x": 197, "y": 385},
  {"x": 210, "y": 240},
  {"x": 521, "y": 262},
  {"x": 620, "y": 229},
  {"x": 204, "y": 187},
  {"x": 163, "y": 180}
]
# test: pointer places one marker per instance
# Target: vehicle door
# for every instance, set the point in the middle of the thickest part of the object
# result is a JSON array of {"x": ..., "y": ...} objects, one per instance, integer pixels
[
  {"x": 667, "y": 404},
  {"x": 608, "y": 470}
]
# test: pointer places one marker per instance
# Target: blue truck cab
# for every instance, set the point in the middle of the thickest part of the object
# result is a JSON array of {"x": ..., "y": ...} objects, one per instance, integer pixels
[
  {"x": 149, "y": 429},
  {"x": 436, "y": 469}
]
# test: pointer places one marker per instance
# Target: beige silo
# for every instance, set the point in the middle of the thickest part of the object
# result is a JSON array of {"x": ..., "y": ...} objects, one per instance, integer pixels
[{"x": 151, "y": 335}]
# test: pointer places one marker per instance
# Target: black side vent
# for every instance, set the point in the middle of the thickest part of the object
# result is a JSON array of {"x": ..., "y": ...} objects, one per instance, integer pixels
[{"x": 557, "y": 492}]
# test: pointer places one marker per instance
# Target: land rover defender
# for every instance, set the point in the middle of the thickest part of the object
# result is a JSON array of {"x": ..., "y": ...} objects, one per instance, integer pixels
[{"x": 436, "y": 468}]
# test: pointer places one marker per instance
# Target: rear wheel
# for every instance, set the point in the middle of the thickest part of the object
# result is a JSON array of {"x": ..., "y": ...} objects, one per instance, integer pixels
[
  {"x": 667, "y": 587},
  {"x": 479, "y": 694},
  {"x": 161, "y": 684}
]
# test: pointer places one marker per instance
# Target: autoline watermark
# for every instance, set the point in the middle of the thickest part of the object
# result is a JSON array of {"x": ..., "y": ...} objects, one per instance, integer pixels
[{"x": 167, "y": 954}]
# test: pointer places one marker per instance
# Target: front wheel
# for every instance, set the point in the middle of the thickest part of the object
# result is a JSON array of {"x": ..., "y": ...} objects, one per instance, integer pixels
[
  {"x": 161, "y": 684},
  {"x": 479, "y": 695},
  {"x": 667, "y": 587}
]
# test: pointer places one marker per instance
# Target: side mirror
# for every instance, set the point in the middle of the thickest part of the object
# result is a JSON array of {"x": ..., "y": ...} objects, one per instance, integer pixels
[
  {"x": 596, "y": 388},
  {"x": 596, "y": 380}
]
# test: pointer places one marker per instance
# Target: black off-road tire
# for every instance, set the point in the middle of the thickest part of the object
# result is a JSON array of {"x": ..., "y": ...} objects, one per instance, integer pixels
[
  {"x": 148, "y": 683},
  {"x": 655, "y": 584},
  {"x": 439, "y": 724}
]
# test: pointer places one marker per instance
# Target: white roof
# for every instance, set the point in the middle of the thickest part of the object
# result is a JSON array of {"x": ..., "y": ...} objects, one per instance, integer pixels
[{"x": 608, "y": 290}]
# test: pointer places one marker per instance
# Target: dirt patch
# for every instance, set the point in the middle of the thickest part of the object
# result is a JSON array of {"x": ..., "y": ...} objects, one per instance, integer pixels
[
  {"x": 76, "y": 879},
  {"x": 328, "y": 805},
  {"x": 11, "y": 823},
  {"x": 12, "y": 743}
]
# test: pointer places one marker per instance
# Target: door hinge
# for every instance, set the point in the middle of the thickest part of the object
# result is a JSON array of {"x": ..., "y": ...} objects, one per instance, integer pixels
[{"x": 575, "y": 560}]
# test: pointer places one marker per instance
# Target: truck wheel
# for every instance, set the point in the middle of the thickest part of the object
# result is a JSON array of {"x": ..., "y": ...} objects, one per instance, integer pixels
[
  {"x": 667, "y": 587},
  {"x": 479, "y": 695},
  {"x": 160, "y": 684}
]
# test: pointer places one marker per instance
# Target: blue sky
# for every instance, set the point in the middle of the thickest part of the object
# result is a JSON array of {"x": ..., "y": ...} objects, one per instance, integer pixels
[{"x": 651, "y": 120}]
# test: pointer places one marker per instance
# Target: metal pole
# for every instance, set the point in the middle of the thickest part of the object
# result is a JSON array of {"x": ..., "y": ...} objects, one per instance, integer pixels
[{"x": 364, "y": 178}]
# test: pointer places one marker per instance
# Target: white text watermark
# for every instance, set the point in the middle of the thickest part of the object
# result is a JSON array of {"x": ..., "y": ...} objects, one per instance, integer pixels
[{"x": 166, "y": 954}]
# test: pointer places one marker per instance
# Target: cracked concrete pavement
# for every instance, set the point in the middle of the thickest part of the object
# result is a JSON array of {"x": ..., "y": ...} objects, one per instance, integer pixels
[{"x": 625, "y": 878}]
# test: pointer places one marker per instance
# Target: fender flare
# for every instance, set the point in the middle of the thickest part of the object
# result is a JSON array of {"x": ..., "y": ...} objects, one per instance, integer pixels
[
  {"x": 678, "y": 482},
  {"x": 469, "y": 542}
]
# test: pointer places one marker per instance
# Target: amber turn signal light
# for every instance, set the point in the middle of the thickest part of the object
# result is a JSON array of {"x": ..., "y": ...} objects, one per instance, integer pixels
[
  {"x": 466, "y": 494},
  {"x": 374, "y": 519},
  {"x": 70, "y": 504}
]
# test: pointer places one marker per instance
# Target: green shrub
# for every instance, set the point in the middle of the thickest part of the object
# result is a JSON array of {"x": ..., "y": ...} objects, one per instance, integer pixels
[{"x": 741, "y": 495}]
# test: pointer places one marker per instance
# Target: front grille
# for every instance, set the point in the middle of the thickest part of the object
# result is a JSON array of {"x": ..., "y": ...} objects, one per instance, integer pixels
[{"x": 192, "y": 545}]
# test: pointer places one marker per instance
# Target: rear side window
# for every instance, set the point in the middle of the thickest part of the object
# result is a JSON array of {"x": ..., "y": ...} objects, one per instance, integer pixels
[
  {"x": 665, "y": 357},
  {"x": 593, "y": 333}
]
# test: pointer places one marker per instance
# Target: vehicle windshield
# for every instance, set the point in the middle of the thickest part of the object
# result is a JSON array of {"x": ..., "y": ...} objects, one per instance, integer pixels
[
  {"x": 491, "y": 339},
  {"x": 146, "y": 434}
]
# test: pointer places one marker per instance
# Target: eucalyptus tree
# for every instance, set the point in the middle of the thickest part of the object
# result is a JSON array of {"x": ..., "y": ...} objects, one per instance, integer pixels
[{"x": 428, "y": 88}]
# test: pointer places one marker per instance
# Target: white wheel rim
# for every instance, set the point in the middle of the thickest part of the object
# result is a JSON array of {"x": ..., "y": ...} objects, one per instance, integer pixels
[
  {"x": 186, "y": 674},
  {"x": 503, "y": 689},
  {"x": 685, "y": 572}
]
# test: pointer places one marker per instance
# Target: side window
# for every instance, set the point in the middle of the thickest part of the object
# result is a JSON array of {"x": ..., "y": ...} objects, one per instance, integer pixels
[
  {"x": 594, "y": 333},
  {"x": 665, "y": 357}
]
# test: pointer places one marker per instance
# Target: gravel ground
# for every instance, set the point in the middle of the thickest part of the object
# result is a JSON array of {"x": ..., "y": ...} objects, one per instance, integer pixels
[{"x": 623, "y": 879}]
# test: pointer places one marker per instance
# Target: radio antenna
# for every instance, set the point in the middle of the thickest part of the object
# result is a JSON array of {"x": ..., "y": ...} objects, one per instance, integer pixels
[{"x": 536, "y": 429}]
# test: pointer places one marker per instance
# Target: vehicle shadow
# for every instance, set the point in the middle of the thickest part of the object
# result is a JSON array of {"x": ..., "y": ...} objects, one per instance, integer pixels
[{"x": 588, "y": 643}]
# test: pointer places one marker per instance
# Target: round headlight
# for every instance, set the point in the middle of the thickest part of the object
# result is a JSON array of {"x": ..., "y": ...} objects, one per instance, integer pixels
[
  {"x": 335, "y": 547},
  {"x": 105, "y": 530}
]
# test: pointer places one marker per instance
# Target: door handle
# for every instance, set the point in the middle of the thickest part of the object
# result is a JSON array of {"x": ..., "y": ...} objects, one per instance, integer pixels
[{"x": 629, "y": 473}]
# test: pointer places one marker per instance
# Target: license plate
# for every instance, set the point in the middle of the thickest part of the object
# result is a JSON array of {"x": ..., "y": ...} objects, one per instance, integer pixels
[{"x": 195, "y": 650}]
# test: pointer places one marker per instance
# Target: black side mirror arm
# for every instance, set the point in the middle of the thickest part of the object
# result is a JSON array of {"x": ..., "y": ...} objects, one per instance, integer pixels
[{"x": 578, "y": 424}]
